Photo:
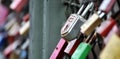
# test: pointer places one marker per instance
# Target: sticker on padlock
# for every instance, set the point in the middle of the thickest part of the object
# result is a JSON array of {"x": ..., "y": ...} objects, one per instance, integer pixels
[
  {"x": 112, "y": 49},
  {"x": 84, "y": 48},
  {"x": 71, "y": 29},
  {"x": 71, "y": 47},
  {"x": 59, "y": 50}
]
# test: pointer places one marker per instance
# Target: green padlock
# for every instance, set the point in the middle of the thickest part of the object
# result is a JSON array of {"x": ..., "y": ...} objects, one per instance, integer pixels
[{"x": 82, "y": 51}]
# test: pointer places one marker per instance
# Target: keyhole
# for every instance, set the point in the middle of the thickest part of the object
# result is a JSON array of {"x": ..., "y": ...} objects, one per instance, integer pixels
[{"x": 56, "y": 48}]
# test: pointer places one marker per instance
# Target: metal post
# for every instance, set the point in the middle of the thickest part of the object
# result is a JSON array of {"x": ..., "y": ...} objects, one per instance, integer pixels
[{"x": 47, "y": 17}]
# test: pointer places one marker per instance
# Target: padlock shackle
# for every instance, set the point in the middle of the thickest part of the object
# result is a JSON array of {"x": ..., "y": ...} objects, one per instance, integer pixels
[
  {"x": 89, "y": 37},
  {"x": 80, "y": 10},
  {"x": 87, "y": 9},
  {"x": 93, "y": 38}
]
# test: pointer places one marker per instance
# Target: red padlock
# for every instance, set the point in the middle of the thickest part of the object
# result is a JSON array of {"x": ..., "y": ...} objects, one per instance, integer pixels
[
  {"x": 18, "y": 5},
  {"x": 113, "y": 31},
  {"x": 105, "y": 27}
]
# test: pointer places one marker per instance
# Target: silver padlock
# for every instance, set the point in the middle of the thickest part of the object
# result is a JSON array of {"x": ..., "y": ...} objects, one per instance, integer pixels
[{"x": 71, "y": 28}]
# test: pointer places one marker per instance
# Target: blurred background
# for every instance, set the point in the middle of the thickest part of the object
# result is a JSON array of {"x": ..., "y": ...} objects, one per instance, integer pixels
[
  {"x": 31, "y": 29},
  {"x": 14, "y": 26}
]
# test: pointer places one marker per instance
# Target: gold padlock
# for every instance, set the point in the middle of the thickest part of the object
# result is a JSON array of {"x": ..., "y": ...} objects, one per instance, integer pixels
[
  {"x": 23, "y": 30},
  {"x": 112, "y": 49},
  {"x": 91, "y": 24}
]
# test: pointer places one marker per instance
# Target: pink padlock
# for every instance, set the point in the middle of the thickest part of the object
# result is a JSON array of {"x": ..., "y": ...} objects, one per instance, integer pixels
[
  {"x": 59, "y": 50},
  {"x": 4, "y": 11}
]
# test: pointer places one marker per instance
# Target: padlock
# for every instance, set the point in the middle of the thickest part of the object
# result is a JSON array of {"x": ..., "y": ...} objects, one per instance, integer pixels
[
  {"x": 71, "y": 28},
  {"x": 9, "y": 24},
  {"x": 11, "y": 47},
  {"x": 25, "y": 44},
  {"x": 17, "y": 5},
  {"x": 10, "y": 39},
  {"x": 81, "y": 51},
  {"x": 13, "y": 31},
  {"x": 4, "y": 11},
  {"x": 3, "y": 40},
  {"x": 11, "y": 19},
  {"x": 24, "y": 29},
  {"x": 107, "y": 5},
  {"x": 91, "y": 24},
  {"x": 13, "y": 55},
  {"x": 23, "y": 49},
  {"x": 71, "y": 47},
  {"x": 12, "y": 28},
  {"x": 84, "y": 48},
  {"x": 113, "y": 31},
  {"x": 95, "y": 19},
  {"x": 108, "y": 27},
  {"x": 105, "y": 27},
  {"x": 59, "y": 50},
  {"x": 26, "y": 17},
  {"x": 23, "y": 54},
  {"x": 112, "y": 49}
]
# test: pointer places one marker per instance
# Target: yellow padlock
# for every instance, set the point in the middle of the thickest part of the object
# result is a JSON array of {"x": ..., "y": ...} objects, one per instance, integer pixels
[{"x": 112, "y": 49}]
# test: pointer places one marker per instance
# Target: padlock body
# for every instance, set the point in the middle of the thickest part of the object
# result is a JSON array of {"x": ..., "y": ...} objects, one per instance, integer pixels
[
  {"x": 112, "y": 49},
  {"x": 90, "y": 24},
  {"x": 72, "y": 46},
  {"x": 105, "y": 27},
  {"x": 72, "y": 27},
  {"x": 82, "y": 51}
]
